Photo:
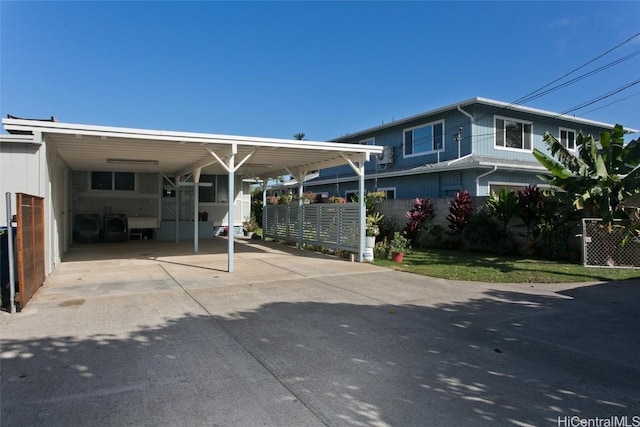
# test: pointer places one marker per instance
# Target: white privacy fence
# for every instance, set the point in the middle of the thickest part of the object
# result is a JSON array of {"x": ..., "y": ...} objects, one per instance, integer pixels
[
  {"x": 331, "y": 225},
  {"x": 609, "y": 247}
]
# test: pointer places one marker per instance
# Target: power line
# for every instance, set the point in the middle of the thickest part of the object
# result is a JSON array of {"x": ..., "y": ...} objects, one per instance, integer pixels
[
  {"x": 535, "y": 94},
  {"x": 613, "y": 102},
  {"x": 517, "y": 101}
]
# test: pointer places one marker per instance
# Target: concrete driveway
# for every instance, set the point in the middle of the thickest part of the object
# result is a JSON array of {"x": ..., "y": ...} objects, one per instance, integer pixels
[{"x": 156, "y": 336}]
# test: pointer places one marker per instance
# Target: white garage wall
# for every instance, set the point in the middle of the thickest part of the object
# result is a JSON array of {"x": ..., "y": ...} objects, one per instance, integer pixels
[
  {"x": 21, "y": 171},
  {"x": 32, "y": 169}
]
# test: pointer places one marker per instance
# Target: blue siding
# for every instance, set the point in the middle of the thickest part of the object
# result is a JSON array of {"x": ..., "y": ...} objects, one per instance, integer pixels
[
  {"x": 478, "y": 138},
  {"x": 484, "y": 131}
]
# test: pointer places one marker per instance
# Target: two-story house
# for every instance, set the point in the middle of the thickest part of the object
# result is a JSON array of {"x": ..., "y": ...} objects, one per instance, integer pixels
[{"x": 478, "y": 145}]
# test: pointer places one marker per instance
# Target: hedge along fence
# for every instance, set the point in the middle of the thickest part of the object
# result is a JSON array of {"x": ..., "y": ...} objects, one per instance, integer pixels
[{"x": 395, "y": 209}]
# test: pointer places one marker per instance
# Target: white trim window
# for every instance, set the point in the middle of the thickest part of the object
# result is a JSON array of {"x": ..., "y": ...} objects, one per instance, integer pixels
[
  {"x": 513, "y": 134},
  {"x": 389, "y": 192},
  {"x": 423, "y": 139},
  {"x": 368, "y": 141},
  {"x": 567, "y": 138},
  {"x": 113, "y": 181}
]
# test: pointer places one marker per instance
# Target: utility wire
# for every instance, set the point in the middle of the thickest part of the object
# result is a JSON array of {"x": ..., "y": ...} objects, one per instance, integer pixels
[
  {"x": 613, "y": 102},
  {"x": 519, "y": 101}
]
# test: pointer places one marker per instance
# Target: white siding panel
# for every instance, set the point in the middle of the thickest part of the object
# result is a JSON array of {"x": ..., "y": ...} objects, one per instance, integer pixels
[{"x": 20, "y": 172}]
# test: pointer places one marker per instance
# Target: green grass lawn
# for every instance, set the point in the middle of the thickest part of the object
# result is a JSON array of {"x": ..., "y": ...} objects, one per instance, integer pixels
[{"x": 458, "y": 265}]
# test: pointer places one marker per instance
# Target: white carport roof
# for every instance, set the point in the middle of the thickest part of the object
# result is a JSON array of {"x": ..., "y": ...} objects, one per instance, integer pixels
[
  {"x": 179, "y": 154},
  {"x": 105, "y": 148}
]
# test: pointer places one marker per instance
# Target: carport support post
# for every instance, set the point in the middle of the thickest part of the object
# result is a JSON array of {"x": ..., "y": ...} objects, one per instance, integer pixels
[
  {"x": 300, "y": 179},
  {"x": 177, "y": 210},
  {"x": 362, "y": 211},
  {"x": 264, "y": 203},
  {"x": 359, "y": 170},
  {"x": 231, "y": 213},
  {"x": 196, "y": 203}
]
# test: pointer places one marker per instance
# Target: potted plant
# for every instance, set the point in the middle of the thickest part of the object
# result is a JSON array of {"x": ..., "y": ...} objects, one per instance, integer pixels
[
  {"x": 250, "y": 226},
  {"x": 285, "y": 199},
  {"x": 337, "y": 199},
  {"x": 398, "y": 246},
  {"x": 372, "y": 228},
  {"x": 309, "y": 197}
]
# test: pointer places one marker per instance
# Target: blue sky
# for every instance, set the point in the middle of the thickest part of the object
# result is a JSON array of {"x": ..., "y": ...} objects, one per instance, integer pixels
[{"x": 325, "y": 69}]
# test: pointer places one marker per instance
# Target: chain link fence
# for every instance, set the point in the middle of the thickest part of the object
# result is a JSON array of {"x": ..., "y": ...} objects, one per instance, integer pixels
[{"x": 610, "y": 246}]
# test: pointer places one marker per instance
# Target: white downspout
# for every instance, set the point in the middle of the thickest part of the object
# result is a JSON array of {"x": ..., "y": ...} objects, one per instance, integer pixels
[{"x": 495, "y": 168}]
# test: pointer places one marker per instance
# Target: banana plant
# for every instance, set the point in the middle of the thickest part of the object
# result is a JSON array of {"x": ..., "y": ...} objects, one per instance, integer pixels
[{"x": 599, "y": 176}]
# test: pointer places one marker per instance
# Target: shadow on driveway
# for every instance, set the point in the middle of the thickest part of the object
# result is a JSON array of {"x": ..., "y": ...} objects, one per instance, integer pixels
[{"x": 506, "y": 357}]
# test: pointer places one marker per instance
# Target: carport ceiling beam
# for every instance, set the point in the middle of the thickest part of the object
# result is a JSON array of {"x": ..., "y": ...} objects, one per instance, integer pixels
[{"x": 359, "y": 171}]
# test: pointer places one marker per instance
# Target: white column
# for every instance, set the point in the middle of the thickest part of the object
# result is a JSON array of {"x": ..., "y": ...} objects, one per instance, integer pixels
[
  {"x": 265, "y": 181},
  {"x": 177, "y": 211},
  {"x": 196, "y": 202},
  {"x": 231, "y": 214},
  {"x": 363, "y": 212},
  {"x": 300, "y": 179}
]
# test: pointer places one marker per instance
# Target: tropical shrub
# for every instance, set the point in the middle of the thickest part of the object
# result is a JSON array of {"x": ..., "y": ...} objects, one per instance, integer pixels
[
  {"x": 599, "y": 175},
  {"x": 555, "y": 225},
  {"x": 433, "y": 237},
  {"x": 460, "y": 209},
  {"x": 422, "y": 212},
  {"x": 485, "y": 233},
  {"x": 503, "y": 206}
]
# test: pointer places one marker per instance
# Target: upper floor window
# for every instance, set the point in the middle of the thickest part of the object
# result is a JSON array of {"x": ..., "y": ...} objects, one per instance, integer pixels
[
  {"x": 424, "y": 139},
  {"x": 118, "y": 181},
  {"x": 369, "y": 141},
  {"x": 568, "y": 138},
  {"x": 513, "y": 134}
]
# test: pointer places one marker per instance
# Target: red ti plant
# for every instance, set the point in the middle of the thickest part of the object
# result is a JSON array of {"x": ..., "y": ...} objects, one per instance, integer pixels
[
  {"x": 460, "y": 209},
  {"x": 422, "y": 211}
]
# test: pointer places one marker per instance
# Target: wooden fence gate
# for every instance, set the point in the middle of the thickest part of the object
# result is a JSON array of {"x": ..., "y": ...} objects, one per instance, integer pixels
[{"x": 29, "y": 246}]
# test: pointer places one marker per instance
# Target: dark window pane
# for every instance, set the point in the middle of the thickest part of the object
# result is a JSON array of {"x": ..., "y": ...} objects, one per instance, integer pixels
[
  {"x": 437, "y": 136},
  {"x": 527, "y": 137},
  {"x": 408, "y": 142},
  {"x": 125, "y": 181},
  {"x": 101, "y": 180},
  {"x": 513, "y": 131},
  {"x": 207, "y": 194},
  {"x": 500, "y": 132},
  {"x": 571, "y": 140}
]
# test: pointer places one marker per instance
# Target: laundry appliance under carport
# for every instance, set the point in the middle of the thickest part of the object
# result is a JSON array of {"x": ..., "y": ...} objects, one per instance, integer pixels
[
  {"x": 115, "y": 228},
  {"x": 87, "y": 228}
]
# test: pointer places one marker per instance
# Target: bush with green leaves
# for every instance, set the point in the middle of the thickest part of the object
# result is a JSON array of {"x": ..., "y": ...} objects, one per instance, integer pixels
[
  {"x": 434, "y": 237},
  {"x": 485, "y": 233},
  {"x": 557, "y": 222},
  {"x": 503, "y": 206}
]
